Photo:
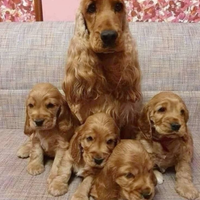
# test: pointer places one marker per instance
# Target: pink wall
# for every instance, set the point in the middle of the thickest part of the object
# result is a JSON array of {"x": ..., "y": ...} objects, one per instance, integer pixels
[{"x": 59, "y": 10}]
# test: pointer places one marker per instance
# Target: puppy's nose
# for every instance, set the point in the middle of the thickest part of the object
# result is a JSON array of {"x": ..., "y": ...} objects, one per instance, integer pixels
[
  {"x": 39, "y": 122},
  {"x": 146, "y": 194},
  {"x": 98, "y": 161},
  {"x": 109, "y": 36},
  {"x": 175, "y": 126}
]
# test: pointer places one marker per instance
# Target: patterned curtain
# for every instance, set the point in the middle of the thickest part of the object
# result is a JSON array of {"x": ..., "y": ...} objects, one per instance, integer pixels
[
  {"x": 163, "y": 10},
  {"x": 17, "y": 10}
]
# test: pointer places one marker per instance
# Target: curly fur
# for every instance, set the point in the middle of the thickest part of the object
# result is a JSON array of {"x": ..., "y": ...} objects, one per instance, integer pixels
[{"x": 99, "y": 78}]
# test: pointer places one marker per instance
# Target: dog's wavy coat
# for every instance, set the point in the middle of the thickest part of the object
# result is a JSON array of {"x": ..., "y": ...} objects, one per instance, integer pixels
[
  {"x": 165, "y": 135},
  {"x": 50, "y": 125},
  {"x": 102, "y": 70},
  {"x": 127, "y": 175},
  {"x": 89, "y": 150}
]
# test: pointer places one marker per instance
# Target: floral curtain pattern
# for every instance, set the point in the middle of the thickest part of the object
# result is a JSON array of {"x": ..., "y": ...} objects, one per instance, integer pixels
[
  {"x": 17, "y": 10},
  {"x": 163, "y": 10}
]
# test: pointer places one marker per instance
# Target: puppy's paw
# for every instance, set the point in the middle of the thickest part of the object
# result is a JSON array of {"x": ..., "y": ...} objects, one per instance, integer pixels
[
  {"x": 187, "y": 190},
  {"x": 35, "y": 169},
  {"x": 23, "y": 152},
  {"x": 159, "y": 177},
  {"x": 57, "y": 188},
  {"x": 50, "y": 178},
  {"x": 77, "y": 196}
]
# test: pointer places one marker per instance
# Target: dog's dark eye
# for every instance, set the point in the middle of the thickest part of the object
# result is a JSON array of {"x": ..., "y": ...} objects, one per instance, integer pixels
[
  {"x": 111, "y": 141},
  {"x": 50, "y": 105},
  {"x": 89, "y": 138},
  {"x": 91, "y": 8},
  {"x": 30, "y": 105},
  {"x": 118, "y": 7},
  {"x": 162, "y": 109},
  {"x": 129, "y": 175},
  {"x": 182, "y": 112}
]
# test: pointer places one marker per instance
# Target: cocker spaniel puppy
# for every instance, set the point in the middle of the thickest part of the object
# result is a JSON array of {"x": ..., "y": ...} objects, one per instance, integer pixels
[
  {"x": 102, "y": 71},
  {"x": 89, "y": 150},
  {"x": 50, "y": 125},
  {"x": 165, "y": 135},
  {"x": 127, "y": 175}
]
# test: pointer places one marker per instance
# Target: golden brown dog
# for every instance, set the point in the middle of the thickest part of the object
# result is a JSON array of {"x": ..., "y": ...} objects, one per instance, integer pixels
[
  {"x": 50, "y": 125},
  {"x": 165, "y": 135},
  {"x": 127, "y": 175},
  {"x": 89, "y": 150},
  {"x": 102, "y": 70}
]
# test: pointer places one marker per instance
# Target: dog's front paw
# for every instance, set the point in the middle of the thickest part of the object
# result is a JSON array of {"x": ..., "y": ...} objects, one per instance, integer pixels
[
  {"x": 57, "y": 188},
  {"x": 35, "y": 169},
  {"x": 50, "y": 178},
  {"x": 79, "y": 197},
  {"x": 23, "y": 152},
  {"x": 187, "y": 190}
]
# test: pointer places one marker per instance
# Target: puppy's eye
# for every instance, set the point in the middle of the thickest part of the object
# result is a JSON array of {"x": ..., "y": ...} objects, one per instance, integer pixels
[
  {"x": 182, "y": 112},
  {"x": 129, "y": 175},
  {"x": 91, "y": 8},
  {"x": 89, "y": 138},
  {"x": 30, "y": 105},
  {"x": 111, "y": 141},
  {"x": 118, "y": 7},
  {"x": 50, "y": 105},
  {"x": 162, "y": 109}
]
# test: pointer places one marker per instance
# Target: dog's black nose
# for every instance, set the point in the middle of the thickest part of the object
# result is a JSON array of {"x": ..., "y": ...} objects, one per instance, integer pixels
[
  {"x": 175, "y": 126},
  {"x": 98, "y": 161},
  {"x": 108, "y": 37},
  {"x": 146, "y": 194},
  {"x": 39, "y": 122}
]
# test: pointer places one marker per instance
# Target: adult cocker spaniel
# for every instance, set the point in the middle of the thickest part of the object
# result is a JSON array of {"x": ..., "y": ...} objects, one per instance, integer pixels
[
  {"x": 127, "y": 175},
  {"x": 165, "y": 135},
  {"x": 50, "y": 125},
  {"x": 89, "y": 150},
  {"x": 102, "y": 71}
]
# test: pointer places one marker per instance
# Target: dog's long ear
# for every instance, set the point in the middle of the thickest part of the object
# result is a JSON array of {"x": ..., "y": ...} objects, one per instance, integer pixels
[
  {"x": 93, "y": 192},
  {"x": 27, "y": 128},
  {"x": 186, "y": 113},
  {"x": 75, "y": 148},
  {"x": 144, "y": 122},
  {"x": 67, "y": 121},
  {"x": 80, "y": 75},
  {"x": 105, "y": 188}
]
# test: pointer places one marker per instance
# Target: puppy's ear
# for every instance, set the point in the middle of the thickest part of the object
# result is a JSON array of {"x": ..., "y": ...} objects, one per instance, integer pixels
[
  {"x": 27, "y": 127},
  {"x": 186, "y": 114},
  {"x": 75, "y": 148},
  {"x": 104, "y": 187},
  {"x": 144, "y": 122},
  {"x": 67, "y": 122},
  {"x": 93, "y": 192}
]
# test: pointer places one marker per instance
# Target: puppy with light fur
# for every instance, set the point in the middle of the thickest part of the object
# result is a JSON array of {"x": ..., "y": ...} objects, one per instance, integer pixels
[
  {"x": 127, "y": 175},
  {"x": 89, "y": 150},
  {"x": 166, "y": 137},
  {"x": 50, "y": 125}
]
